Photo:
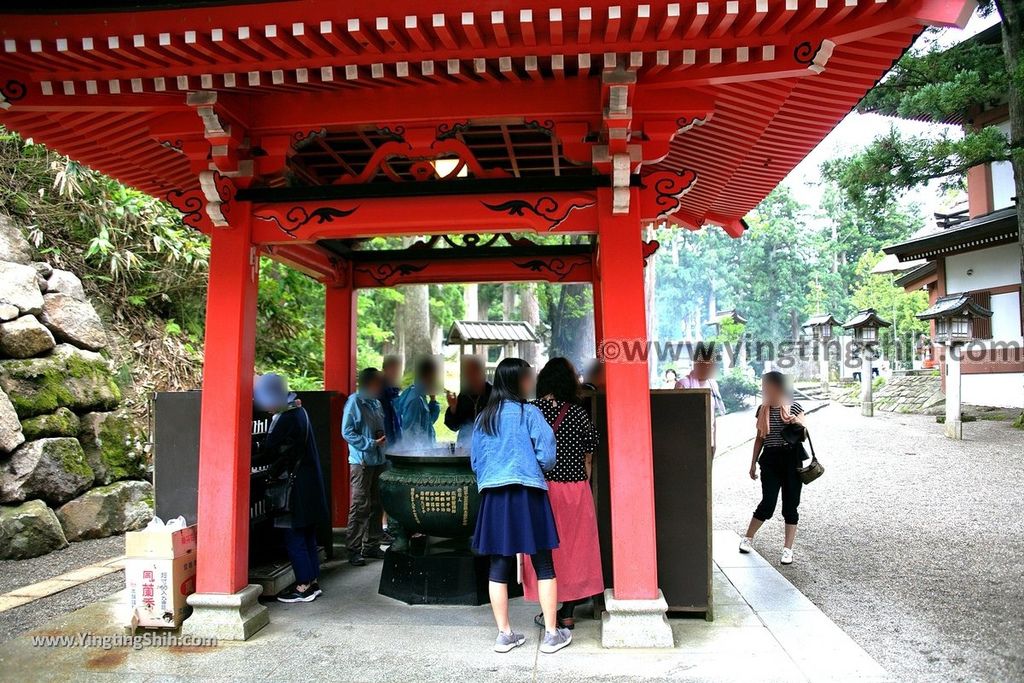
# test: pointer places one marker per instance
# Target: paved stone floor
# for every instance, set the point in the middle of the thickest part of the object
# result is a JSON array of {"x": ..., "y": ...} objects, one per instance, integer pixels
[
  {"x": 353, "y": 634},
  {"x": 17, "y": 574},
  {"x": 911, "y": 542}
]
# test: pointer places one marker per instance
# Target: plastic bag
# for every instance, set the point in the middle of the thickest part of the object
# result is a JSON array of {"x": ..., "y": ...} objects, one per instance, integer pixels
[{"x": 157, "y": 524}]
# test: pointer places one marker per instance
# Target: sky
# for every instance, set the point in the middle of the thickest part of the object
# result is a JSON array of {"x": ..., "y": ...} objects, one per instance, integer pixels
[{"x": 845, "y": 139}]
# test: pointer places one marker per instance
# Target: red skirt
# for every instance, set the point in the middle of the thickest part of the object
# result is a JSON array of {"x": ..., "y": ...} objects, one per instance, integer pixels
[{"x": 578, "y": 555}]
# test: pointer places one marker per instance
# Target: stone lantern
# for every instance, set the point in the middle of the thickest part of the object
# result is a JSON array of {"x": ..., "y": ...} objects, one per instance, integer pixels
[
  {"x": 865, "y": 325},
  {"x": 821, "y": 333},
  {"x": 954, "y": 317}
]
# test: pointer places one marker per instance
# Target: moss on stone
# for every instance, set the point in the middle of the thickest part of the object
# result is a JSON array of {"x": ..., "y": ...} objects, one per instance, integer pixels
[
  {"x": 66, "y": 378},
  {"x": 61, "y": 422},
  {"x": 72, "y": 457},
  {"x": 47, "y": 386},
  {"x": 120, "y": 446}
]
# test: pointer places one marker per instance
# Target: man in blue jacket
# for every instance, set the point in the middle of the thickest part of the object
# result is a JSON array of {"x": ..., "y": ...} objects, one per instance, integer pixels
[
  {"x": 418, "y": 408},
  {"x": 362, "y": 426}
]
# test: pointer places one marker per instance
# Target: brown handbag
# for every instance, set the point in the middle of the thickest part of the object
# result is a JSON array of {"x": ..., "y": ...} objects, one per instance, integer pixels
[{"x": 814, "y": 469}]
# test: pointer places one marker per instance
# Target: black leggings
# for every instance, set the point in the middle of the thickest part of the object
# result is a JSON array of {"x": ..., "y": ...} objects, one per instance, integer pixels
[
  {"x": 778, "y": 472},
  {"x": 503, "y": 567}
]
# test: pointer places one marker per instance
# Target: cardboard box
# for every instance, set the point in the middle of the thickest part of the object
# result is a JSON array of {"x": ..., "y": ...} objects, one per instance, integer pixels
[{"x": 160, "y": 572}]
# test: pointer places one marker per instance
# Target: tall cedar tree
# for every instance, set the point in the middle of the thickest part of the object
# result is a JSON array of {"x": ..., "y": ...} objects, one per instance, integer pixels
[{"x": 939, "y": 84}]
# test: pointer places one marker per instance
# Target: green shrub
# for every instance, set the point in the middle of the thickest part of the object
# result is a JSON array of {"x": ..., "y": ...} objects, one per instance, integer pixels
[{"x": 736, "y": 388}]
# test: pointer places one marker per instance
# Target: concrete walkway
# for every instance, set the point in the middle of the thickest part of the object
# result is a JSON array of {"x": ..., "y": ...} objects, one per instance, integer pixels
[
  {"x": 911, "y": 542},
  {"x": 764, "y": 630}
]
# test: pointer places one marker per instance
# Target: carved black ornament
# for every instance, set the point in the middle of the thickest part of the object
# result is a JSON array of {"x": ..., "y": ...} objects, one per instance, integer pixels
[
  {"x": 297, "y": 217},
  {"x": 804, "y": 52},
  {"x": 13, "y": 90},
  {"x": 547, "y": 126},
  {"x": 301, "y": 138},
  {"x": 558, "y": 267},
  {"x": 546, "y": 208},
  {"x": 447, "y": 131},
  {"x": 384, "y": 273},
  {"x": 396, "y": 134},
  {"x": 472, "y": 241}
]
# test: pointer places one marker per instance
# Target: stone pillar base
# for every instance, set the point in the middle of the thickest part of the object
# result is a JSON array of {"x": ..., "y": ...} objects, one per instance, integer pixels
[
  {"x": 954, "y": 429},
  {"x": 867, "y": 408},
  {"x": 635, "y": 623},
  {"x": 226, "y": 616}
]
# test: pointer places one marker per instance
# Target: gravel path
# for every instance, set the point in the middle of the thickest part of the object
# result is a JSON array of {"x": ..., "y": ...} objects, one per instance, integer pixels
[
  {"x": 19, "y": 573},
  {"x": 911, "y": 542}
]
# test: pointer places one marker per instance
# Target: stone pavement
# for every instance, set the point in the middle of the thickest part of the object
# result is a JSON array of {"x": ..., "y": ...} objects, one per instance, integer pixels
[
  {"x": 762, "y": 632},
  {"x": 910, "y": 542},
  {"x": 913, "y": 393}
]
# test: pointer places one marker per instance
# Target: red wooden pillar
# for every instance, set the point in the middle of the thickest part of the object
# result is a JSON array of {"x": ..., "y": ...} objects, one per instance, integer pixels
[
  {"x": 630, "y": 466},
  {"x": 225, "y": 434},
  {"x": 339, "y": 376}
]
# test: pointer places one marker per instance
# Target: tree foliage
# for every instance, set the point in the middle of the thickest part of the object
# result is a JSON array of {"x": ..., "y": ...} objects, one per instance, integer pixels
[
  {"x": 930, "y": 83},
  {"x": 936, "y": 83},
  {"x": 899, "y": 307},
  {"x": 790, "y": 264},
  {"x": 144, "y": 270}
]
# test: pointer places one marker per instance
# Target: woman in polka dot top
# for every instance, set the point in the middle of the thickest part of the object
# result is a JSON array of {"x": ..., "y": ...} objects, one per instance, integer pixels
[{"x": 578, "y": 557}]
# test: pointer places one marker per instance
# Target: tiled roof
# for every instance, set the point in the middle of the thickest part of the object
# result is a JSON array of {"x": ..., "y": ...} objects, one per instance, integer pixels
[
  {"x": 490, "y": 332},
  {"x": 954, "y": 304},
  {"x": 865, "y": 317}
]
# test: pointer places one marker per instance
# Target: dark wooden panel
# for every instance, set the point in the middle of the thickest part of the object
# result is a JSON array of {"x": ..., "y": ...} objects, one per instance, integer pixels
[
  {"x": 176, "y": 453},
  {"x": 176, "y": 464},
  {"x": 680, "y": 430}
]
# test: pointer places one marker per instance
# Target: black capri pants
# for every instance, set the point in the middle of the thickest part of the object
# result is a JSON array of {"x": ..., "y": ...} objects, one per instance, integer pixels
[
  {"x": 779, "y": 473},
  {"x": 503, "y": 567}
]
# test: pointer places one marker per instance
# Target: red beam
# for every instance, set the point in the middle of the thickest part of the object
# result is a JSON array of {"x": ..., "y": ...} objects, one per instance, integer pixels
[
  {"x": 285, "y": 223},
  {"x": 305, "y": 258}
]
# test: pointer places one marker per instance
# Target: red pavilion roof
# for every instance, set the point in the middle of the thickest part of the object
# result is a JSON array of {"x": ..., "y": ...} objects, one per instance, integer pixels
[{"x": 330, "y": 83}]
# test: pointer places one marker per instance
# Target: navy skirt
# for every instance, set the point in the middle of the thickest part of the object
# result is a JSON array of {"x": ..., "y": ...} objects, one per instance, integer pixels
[{"x": 514, "y": 519}]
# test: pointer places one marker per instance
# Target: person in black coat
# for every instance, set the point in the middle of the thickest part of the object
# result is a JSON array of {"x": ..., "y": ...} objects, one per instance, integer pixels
[
  {"x": 289, "y": 449},
  {"x": 473, "y": 397}
]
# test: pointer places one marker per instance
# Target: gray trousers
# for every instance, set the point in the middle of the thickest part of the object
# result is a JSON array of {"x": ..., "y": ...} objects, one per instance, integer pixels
[{"x": 365, "y": 511}]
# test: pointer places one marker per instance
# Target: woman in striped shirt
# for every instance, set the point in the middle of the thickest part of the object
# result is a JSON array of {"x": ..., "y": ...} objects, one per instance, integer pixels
[{"x": 778, "y": 460}]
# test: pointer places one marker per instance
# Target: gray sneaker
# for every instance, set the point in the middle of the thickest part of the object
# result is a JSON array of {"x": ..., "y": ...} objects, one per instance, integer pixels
[
  {"x": 506, "y": 642},
  {"x": 553, "y": 642}
]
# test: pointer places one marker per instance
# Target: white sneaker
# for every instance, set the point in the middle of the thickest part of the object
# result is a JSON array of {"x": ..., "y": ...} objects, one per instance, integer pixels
[
  {"x": 787, "y": 556},
  {"x": 745, "y": 546},
  {"x": 506, "y": 642}
]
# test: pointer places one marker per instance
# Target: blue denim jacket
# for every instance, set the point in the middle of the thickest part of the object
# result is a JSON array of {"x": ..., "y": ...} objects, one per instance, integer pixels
[
  {"x": 521, "y": 451},
  {"x": 417, "y": 414},
  {"x": 363, "y": 417}
]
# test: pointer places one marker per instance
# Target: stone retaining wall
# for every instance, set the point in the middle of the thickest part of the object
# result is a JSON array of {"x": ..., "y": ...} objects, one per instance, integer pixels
[{"x": 72, "y": 466}]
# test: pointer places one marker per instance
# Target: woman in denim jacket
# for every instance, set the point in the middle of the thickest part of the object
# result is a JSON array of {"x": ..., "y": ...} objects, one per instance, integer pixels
[{"x": 512, "y": 447}]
